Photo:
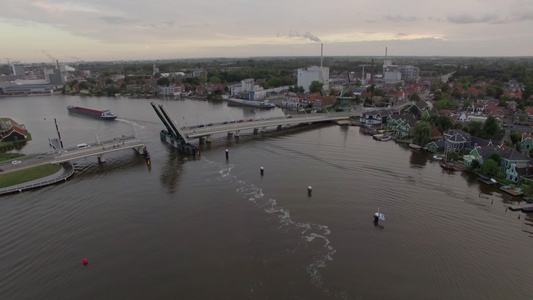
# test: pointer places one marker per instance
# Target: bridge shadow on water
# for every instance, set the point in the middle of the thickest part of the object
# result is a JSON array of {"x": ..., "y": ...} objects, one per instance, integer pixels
[{"x": 90, "y": 167}]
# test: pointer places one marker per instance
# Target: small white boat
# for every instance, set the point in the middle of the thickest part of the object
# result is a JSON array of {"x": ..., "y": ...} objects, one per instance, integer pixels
[{"x": 385, "y": 138}]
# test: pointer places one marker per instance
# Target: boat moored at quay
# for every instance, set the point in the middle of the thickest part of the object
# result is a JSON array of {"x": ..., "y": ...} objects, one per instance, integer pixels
[{"x": 101, "y": 114}]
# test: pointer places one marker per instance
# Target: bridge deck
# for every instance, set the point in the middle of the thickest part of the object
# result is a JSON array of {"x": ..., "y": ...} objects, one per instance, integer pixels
[{"x": 201, "y": 131}]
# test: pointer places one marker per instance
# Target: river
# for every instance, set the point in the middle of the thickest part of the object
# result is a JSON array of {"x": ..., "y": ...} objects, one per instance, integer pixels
[{"x": 211, "y": 228}]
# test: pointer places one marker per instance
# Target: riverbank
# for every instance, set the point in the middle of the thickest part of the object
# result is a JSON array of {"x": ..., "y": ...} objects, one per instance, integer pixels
[{"x": 35, "y": 177}]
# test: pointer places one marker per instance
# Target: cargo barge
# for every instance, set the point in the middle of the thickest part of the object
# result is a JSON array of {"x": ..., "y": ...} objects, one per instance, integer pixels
[{"x": 101, "y": 114}]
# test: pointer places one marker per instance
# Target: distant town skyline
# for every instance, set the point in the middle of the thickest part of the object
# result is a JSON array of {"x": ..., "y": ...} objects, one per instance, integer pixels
[{"x": 77, "y": 30}]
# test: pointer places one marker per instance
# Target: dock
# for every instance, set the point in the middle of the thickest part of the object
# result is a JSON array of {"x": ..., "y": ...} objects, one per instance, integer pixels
[
  {"x": 512, "y": 191},
  {"x": 523, "y": 208}
]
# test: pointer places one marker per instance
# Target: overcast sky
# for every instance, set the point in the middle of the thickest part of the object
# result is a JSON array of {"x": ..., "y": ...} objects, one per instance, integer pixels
[{"x": 88, "y": 30}]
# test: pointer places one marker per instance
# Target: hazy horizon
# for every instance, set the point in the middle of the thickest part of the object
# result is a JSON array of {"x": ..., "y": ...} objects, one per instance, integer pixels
[{"x": 114, "y": 30}]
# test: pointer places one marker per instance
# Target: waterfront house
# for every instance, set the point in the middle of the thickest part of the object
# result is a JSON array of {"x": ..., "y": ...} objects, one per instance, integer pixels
[
  {"x": 11, "y": 132},
  {"x": 514, "y": 164},
  {"x": 371, "y": 118},
  {"x": 456, "y": 140},
  {"x": 377, "y": 117},
  {"x": 291, "y": 100},
  {"x": 436, "y": 146},
  {"x": 526, "y": 144},
  {"x": 401, "y": 124}
]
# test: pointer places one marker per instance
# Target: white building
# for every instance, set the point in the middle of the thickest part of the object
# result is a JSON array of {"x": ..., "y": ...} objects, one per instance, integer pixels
[
  {"x": 247, "y": 89},
  {"x": 314, "y": 73},
  {"x": 391, "y": 73}
]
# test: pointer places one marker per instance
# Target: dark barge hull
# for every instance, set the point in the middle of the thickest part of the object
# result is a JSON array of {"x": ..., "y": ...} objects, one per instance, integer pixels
[
  {"x": 99, "y": 114},
  {"x": 185, "y": 148}
]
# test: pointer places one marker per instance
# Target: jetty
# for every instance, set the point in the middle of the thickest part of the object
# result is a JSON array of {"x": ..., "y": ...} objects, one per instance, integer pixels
[
  {"x": 523, "y": 208},
  {"x": 515, "y": 191}
]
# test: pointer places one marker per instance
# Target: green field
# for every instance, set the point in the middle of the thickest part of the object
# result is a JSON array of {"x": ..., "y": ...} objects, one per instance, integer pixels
[{"x": 21, "y": 176}]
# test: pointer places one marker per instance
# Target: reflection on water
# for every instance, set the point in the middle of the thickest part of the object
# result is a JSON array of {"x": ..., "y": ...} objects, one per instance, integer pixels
[
  {"x": 172, "y": 169},
  {"x": 418, "y": 159}
]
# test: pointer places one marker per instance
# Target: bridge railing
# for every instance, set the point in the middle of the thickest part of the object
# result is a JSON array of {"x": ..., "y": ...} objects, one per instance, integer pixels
[{"x": 68, "y": 170}]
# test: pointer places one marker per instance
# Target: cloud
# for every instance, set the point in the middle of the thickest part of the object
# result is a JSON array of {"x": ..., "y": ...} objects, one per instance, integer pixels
[
  {"x": 469, "y": 19},
  {"x": 398, "y": 18},
  {"x": 117, "y": 20},
  {"x": 307, "y": 35},
  {"x": 491, "y": 18}
]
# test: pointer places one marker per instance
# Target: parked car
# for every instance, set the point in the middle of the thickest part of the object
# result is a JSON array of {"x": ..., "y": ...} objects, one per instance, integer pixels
[
  {"x": 15, "y": 162},
  {"x": 1, "y": 170}
]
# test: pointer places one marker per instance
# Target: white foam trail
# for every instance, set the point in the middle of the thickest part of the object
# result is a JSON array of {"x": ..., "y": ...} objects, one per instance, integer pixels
[
  {"x": 131, "y": 122},
  {"x": 310, "y": 233}
]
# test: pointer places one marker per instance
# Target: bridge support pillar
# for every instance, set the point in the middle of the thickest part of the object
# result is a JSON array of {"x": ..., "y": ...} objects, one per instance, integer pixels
[
  {"x": 140, "y": 149},
  {"x": 201, "y": 139},
  {"x": 230, "y": 133},
  {"x": 237, "y": 132},
  {"x": 101, "y": 158},
  {"x": 279, "y": 127},
  {"x": 256, "y": 130}
]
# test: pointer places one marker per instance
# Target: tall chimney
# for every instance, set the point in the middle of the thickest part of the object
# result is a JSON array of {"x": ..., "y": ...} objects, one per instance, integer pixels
[
  {"x": 385, "y": 52},
  {"x": 372, "y": 73},
  {"x": 321, "y": 53}
]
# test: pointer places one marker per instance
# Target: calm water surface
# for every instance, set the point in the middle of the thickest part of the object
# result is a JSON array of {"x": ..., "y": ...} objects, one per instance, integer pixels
[{"x": 212, "y": 228}]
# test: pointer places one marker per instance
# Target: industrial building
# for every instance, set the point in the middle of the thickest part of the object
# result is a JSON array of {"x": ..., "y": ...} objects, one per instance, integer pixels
[{"x": 313, "y": 73}]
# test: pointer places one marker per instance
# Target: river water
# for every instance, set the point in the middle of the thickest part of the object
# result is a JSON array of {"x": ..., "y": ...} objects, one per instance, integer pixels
[{"x": 211, "y": 228}]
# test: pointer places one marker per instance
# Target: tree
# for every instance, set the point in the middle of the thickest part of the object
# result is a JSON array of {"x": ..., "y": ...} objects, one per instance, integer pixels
[
  {"x": 214, "y": 79},
  {"x": 422, "y": 133},
  {"x": 496, "y": 156},
  {"x": 163, "y": 81},
  {"x": 414, "y": 97},
  {"x": 452, "y": 156},
  {"x": 443, "y": 123},
  {"x": 475, "y": 128},
  {"x": 490, "y": 167},
  {"x": 316, "y": 87},
  {"x": 491, "y": 126}
]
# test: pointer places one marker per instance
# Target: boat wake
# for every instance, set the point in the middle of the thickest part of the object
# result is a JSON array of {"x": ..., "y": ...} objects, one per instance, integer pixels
[
  {"x": 133, "y": 123},
  {"x": 314, "y": 236}
]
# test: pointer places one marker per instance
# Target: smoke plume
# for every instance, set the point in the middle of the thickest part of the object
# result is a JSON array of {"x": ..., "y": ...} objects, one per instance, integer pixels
[{"x": 307, "y": 35}]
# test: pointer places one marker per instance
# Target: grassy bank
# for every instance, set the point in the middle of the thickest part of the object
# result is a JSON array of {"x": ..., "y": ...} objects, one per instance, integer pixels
[
  {"x": 9, "y": 156},
  {"x": 21, "y": 176}
]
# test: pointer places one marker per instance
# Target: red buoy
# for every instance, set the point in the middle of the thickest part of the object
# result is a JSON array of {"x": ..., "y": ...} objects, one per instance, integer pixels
[{"x": 84, "y": 261}]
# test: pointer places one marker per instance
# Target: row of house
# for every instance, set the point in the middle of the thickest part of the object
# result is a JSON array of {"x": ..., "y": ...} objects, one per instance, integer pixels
[{"x": 514, "y": 164}]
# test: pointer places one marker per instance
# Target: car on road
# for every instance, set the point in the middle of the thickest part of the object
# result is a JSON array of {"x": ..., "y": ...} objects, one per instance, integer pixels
[
  {"x": 1, "y": 170},
  {"x": 15, "y": 162}
]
